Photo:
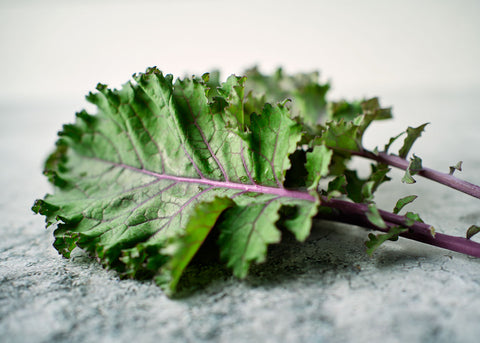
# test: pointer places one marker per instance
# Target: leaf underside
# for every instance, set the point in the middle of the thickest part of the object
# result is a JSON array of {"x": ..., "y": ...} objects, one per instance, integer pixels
[{"x": 159, "y": 153}]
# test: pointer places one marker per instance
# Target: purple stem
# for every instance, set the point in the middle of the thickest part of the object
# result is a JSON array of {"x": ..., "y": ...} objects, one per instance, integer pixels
[
  {"x": 344, "y": 211},
  {"x": 353, "y": 213},
  {"x": 443, "y": 178}
]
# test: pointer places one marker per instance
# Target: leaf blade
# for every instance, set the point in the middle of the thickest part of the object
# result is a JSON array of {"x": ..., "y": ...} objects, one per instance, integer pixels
[
  {"x": 413, "y": 133},
  {"x": 401, "y": 203},
  {"x": 133, "y": 175},
  {"x": 375, "y": 241},
  {"x": 246, "y": 233},
  {"x": 182, "y": 249}
]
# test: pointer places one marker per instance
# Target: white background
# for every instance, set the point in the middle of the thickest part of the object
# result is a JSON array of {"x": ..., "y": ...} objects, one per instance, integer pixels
[
  {"x": 420, "y": 57},
  {"x": 53, "y": 49}
]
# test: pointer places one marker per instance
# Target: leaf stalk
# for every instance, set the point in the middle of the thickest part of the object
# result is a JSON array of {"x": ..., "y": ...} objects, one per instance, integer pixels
[
  {"x": 355, "y": 213},
  {"x": 443, "y": 178}
]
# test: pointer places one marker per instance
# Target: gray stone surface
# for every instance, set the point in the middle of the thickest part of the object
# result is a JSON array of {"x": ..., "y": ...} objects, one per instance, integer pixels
[{"x": 324, "y": 290}]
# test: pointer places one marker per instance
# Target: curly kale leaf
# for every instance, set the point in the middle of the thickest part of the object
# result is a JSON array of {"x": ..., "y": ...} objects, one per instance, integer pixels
[{"x": 162, "y": 159}]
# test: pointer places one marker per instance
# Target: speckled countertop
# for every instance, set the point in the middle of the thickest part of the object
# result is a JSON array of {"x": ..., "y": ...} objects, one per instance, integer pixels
[{"x": 324, "y": 290}]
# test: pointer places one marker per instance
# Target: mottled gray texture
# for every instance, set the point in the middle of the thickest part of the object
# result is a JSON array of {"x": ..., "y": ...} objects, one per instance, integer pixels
[{"x": 324, "y": 290}]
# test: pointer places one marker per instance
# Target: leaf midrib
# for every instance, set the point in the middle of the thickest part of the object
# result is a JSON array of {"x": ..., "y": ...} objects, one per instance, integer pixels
[{"x": 255, "y": 188}]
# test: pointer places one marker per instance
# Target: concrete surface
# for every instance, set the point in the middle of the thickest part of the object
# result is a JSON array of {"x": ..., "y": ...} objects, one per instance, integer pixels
[{"x": 325, "y": 290}]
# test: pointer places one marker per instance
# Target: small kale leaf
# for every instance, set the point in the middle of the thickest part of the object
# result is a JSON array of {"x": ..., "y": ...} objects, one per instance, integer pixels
[
  {"x": 413, "y": 133},
  {"x": 412, "y": 218},
  {"x": 457, "y": 166},
  {"x": 373, "y": 215},
  {"x": 401, "y": 203},
  {"x": 308, "y": 96},
  {"x": 472, "y": 231},
  {"x": 376, "y": 240},
  {"x": 414, "y": 167},
  {"x": 318, "y": 161}
]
